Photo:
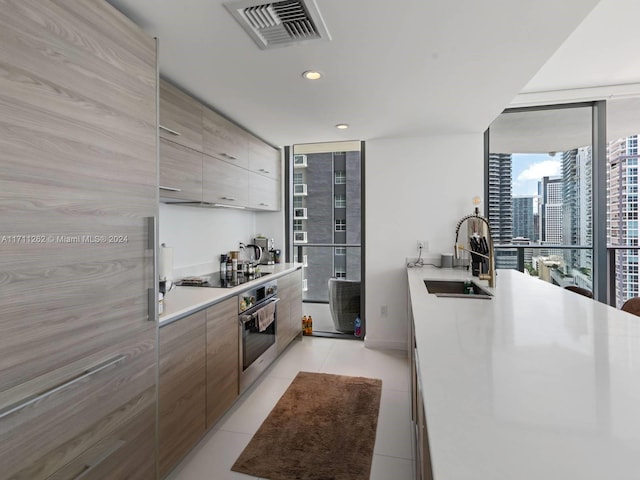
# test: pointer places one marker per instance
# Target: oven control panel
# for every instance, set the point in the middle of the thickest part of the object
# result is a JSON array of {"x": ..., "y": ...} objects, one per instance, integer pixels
[{"x": 254, "y": 296}]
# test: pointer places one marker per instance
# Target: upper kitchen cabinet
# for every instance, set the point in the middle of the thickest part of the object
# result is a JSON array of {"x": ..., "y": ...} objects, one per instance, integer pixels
[
  {"x": 264, "y": 193},
  {"x": 180, "y": 117},
  {"x": 264, "y": 159},
  {"x": 213, "y": 160},
  {"x": 180, "y": 173},
  {"x": 224, "y": 184},
  {"x": 225, "y": 140}
]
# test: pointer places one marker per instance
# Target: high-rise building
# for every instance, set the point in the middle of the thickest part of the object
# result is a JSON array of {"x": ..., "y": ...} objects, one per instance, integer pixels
[
  {"x": 550, "y": 210},
  {"x": 585, "y": 224},
  {"x": 500, "y": 208},
  {"x": 622, "y": 213},
  {"x": 569, "y": 202},
  {"x": 326, "y": 211},
  {"x": 523, "y": 225},
  {"x": 576, "y": 214}
]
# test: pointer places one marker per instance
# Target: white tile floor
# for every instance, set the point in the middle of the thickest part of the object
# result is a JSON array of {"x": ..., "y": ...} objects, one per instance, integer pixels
[
  {"x": 322, "y": 321},
  {"x": 212, "y": 458}
]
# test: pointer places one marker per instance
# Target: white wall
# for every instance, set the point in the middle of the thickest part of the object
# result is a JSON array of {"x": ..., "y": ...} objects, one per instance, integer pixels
[
  {"x": 199, "y": 235},
  {"x": 416, "y": 189}
]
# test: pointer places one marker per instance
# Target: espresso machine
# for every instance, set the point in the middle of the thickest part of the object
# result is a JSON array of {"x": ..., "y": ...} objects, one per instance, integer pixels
[{"x": 268, "y": 253}]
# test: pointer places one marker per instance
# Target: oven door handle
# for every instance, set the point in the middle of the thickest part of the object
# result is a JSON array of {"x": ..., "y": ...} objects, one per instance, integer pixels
[{"x": 247, "y": 318}]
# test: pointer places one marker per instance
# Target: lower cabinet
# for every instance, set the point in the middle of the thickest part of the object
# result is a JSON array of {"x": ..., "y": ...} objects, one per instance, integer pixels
[
  {"x": 289, "y": 309},
  {"x": 102, "y": 420},
  {"x": 199, "y": 371},
  {"x": 182, "y": 389},
  {"x": 124, "y": 453},
  {"x": 222, "y": 358},
  {"x": 420, "y": 438}
]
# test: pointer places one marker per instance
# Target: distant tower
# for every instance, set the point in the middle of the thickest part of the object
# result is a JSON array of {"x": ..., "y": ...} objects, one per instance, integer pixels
[
  {"x": 585, "y": 223},
  {"x": 500, "y": 207},
  {"x": 550, "y": 210},
  {"x": 576, "y": 213},
  {"x": 622, "y": 214},
  {"x": 523, "y": 225},
  {"x": 570, "y": 210}
]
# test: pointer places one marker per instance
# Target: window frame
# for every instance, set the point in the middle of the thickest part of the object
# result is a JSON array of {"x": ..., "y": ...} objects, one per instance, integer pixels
[{"x": 601, "y": 273}]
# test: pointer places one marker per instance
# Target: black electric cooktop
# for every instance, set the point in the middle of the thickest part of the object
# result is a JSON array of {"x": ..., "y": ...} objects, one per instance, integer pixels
[{"x": 220, "y": 280}]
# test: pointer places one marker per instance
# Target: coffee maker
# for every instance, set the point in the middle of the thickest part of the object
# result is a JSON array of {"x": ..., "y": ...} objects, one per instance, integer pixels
[{"x": 267, "y": 246}]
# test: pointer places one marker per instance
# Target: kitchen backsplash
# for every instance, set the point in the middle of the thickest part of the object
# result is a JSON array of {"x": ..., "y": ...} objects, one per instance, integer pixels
[{"x": 199, "y": 235}]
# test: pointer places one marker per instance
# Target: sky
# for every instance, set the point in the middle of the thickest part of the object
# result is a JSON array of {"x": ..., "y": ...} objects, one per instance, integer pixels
[{"x": 529, "y": 168}]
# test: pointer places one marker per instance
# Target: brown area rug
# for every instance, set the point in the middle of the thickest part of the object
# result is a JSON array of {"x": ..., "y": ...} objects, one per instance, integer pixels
[{"x": 322, "y": 428}]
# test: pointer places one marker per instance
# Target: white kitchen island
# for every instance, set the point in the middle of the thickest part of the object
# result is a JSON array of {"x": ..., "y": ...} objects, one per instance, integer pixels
[{"x": 536, "y": 383}]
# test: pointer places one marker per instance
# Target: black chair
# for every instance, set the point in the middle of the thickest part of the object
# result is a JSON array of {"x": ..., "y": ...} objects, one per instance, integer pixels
[
  {"x": 344, "y": 303},
  {"x": 632, "y": 306}
]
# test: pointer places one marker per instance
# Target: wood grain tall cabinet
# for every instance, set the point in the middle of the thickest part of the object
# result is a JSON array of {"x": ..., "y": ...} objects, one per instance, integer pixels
[{"x": 78, "y": 190}]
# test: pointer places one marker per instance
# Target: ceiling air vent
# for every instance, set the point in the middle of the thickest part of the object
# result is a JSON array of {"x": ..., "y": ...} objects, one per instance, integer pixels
[{"x": 278, "y": 24}]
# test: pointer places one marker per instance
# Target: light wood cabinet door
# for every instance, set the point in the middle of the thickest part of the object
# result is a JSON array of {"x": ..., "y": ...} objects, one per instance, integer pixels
[
  {"x": 224, "y": 139},
  {"x": 289, "y": 309},
  {"x": 296, "y": 302},
  {"x": 224, "y": 183},
  {"x": 180, "y": 117},
  {"x": 264, "y": 159},
  {"x": 223, "y": 364},
  {"x": 117, "y": 454},
  {"x": 264, "y": 192},
  {"x": 79, "y": 182},
  {"x": 180, "y": 172},
  {"x": 182, "y": 389}
]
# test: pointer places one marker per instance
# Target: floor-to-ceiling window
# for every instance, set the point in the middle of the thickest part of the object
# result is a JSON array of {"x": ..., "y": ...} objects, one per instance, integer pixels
[
  {"x": 540, "y": 193},
  {"x": 563, "y": 196},
  {"x": 326, "y": 214}
]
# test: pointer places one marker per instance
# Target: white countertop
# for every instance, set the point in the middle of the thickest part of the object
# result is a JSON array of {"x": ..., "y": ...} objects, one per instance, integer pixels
[
  {"x": 182, "y": 301},
  {"x": 537, "y": 383}
]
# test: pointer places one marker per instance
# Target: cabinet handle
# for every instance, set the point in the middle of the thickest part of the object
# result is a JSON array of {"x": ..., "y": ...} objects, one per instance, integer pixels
[
  {"x": 229, "y": 156},
  {"x": 231, "y": 199},
  {"x": 168, "y": 130},
  {"x": 151, "y": 234},
  {"x": 88, "y": 468},
  {"x": 152, "y": 294},
  {"x": 264, "y": 171},
  {"x": 72, "y": 381},
  {"x": 170, "y": 189},
  {"x": 265, "y": 204}
]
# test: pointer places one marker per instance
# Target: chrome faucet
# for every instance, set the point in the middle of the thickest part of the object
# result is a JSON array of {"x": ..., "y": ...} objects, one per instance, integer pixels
[{"x": 491, "y": 274}]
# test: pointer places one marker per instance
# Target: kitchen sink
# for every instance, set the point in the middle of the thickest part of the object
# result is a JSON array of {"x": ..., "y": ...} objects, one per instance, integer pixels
[{"x": 456, "y": 289}]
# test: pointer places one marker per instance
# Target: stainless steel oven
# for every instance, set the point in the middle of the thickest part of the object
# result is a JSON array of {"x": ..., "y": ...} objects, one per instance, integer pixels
[{"x": 258, "y": 324}]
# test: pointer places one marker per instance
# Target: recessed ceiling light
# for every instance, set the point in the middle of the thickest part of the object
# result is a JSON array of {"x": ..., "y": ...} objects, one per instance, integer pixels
[
  {"x": 342, "y": 126},
  {"x": 312, "y": 75}
]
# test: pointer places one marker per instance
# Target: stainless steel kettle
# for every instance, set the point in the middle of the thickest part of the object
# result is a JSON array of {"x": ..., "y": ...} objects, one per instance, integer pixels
[{"x": 255, "y": 253}]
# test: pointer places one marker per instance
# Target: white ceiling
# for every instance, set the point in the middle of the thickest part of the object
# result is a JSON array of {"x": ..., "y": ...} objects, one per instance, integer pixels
[
  {"x": 395, "y": 68},
  {"x": 597, "y": 61}
]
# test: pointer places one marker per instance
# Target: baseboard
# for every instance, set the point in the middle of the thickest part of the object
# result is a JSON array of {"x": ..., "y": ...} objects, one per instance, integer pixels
[{"x": 385, "y": 344}]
